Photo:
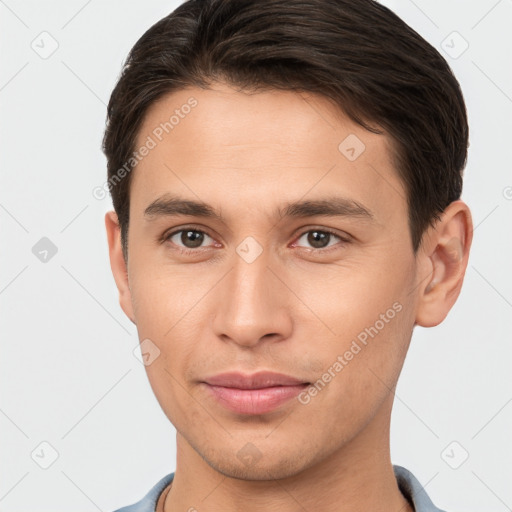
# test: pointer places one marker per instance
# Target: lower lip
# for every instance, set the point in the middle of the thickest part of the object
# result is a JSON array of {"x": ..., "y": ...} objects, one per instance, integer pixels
[{"x": 255, "y": 401}]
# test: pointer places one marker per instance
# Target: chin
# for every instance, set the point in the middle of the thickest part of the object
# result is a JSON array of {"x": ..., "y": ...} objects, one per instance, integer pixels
[
  {"x": 254, "y": 466},
  {"x": 261, "y": 472}
]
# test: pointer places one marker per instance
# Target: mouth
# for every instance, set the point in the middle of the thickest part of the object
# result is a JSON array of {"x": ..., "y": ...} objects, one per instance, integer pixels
[{"x": 258, "y": 393}]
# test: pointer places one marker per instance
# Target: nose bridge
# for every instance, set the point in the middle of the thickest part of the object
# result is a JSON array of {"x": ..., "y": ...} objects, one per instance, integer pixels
[{"x": 251, "y": 303}]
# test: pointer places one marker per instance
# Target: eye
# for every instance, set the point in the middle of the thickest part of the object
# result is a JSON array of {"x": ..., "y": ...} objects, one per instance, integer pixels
[
  {"x": 320, "y": 238},
  {"x": 187, "y": 240},
  {"x": 190, "y": 240}
]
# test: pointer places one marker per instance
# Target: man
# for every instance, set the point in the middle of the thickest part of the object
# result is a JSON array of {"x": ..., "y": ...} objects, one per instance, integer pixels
[{"x": 286, "y": 180}]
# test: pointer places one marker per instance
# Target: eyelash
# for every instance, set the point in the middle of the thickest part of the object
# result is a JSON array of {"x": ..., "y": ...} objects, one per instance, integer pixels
[{"x": 167, "y": 236}]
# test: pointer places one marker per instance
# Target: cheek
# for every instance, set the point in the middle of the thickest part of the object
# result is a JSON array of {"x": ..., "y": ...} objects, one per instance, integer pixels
[
  {"x": 369, "y": 317},
  {"x": 176, "y": 352},
  {"x": 169, "y": 390},
  {"x": 352, "y": 295},
  {"x": 163, "y": 311},
  {"x": 160, "y": 298},
  {"x": 359, "y": 374}
]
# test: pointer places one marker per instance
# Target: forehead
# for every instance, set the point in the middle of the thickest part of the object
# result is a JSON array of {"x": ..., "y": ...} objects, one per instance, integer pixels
[{"x": 270, "y": 146}]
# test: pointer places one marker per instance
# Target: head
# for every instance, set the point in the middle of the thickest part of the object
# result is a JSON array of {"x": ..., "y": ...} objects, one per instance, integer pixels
[{"x": 286, "y": 180}]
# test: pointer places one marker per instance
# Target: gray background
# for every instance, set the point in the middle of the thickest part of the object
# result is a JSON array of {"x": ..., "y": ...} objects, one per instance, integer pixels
[{"x": 69, "y": 377}]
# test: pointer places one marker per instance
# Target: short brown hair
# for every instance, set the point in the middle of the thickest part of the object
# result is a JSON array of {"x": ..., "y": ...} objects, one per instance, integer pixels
[{"x": 357, "y": 53}]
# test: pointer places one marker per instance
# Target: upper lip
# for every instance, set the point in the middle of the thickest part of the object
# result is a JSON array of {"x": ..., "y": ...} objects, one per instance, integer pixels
[{"x": 254, "y": 381}]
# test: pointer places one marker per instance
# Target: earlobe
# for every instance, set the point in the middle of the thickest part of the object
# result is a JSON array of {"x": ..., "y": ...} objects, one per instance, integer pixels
[
  {"x": 118, "y": 264},
  {"x": 446, "y": 254}
]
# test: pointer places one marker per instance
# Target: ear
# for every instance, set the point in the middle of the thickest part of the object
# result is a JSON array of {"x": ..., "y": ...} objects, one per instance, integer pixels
[
  {"x": 118, "y": 264},
  {"x": 442, "y": 262}
]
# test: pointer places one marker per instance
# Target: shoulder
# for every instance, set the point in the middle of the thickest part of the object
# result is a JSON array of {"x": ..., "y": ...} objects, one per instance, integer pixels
[
  {"x": 148, "y": 502},
  {"x": 414, "y": 491}
]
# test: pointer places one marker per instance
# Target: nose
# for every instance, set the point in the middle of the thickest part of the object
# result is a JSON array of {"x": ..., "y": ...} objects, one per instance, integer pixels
[{"x": 252, "y": 304}]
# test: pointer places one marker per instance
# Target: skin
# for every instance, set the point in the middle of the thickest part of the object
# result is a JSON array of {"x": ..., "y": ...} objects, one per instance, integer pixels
[{"x": 292, "y": 310}]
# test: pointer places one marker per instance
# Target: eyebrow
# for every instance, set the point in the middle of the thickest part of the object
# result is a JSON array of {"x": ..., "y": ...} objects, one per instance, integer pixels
[{"x": 334, "y": 206}]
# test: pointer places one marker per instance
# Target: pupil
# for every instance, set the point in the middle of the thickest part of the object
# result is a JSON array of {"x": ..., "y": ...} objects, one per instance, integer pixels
[
  {"x": 318, "y": 239},
  {"x": 194, "y": 237}
]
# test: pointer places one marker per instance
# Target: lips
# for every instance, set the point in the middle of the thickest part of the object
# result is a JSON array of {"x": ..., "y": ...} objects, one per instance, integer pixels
[
  {"x": 255, "y": 381},
  {"x": 258, "y": 393}
]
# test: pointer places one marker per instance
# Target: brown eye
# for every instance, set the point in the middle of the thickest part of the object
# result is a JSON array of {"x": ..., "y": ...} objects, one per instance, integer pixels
[
  {"x": 187, "y": 238},
  {"x": 319, "y": 239},
  {"x": 194, "y": 238}
]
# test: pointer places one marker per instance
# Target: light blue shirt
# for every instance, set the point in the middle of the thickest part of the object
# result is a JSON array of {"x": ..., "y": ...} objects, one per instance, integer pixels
[{"x": 407, "y": 483}]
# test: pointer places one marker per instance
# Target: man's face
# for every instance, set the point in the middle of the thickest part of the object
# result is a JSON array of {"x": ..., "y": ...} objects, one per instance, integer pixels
[{"x": 259, "y": 291}]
